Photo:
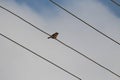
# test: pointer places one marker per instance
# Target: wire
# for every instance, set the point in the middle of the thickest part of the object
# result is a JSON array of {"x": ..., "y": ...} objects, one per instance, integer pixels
[
  {"x": 24, "y": 20},
  {"x": 115, "y": 2},
  {"x": 84, "y": 22},
  {"x": 40, "y": 56},
  {"x": 89, "y": 59},
  {"x": 64, "y": 44}
]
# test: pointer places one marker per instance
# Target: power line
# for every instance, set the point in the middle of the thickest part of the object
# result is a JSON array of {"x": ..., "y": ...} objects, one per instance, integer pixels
[
  {"x": 84, "y": 22},
  {"x": 115, "y": 2},
  {"x": 24, "y": 20},
  {"x": 63, "y": 43},
  {"x": 41, "y": 57},
  {"x": 89, "y": 59}
]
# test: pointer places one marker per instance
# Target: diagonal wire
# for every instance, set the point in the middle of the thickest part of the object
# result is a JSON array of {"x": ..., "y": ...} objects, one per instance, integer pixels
[
  {"x": 109, "y": 70},
  {"x": 84, "y": 22},
  {"x": 24, "y": 20},
  {"x": 40, "y": 56},
  {"x": 115, "y": 2}
]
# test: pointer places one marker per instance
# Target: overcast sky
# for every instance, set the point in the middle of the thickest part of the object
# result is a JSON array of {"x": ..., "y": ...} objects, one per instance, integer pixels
[{"x": 18, "y": 64}]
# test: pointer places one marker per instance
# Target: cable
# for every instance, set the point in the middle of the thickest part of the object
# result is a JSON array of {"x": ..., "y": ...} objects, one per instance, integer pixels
[
  {"x": 89, "y": 59},
  {"x": 84, "y": 22},
  {"x": 25, "y": 21},
  {"x": 115, "y": 2},
  {"x": 40, "y": 56},
  {"x": 63, "y": 43}
]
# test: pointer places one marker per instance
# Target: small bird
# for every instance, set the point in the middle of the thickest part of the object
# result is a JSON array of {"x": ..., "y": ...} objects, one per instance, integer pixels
[{"x": 54, "y": 36}]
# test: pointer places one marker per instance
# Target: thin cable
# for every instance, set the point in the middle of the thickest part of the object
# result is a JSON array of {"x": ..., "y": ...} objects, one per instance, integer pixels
[
  {"x": 64, "y": 44},
  {"x": 84, "y": 22},
  {"x": 41, "y": 57},
  {"x": 115, "y": 2},
  {"x": 90, "y": 59},
  {"x": 24, "y": 20}
]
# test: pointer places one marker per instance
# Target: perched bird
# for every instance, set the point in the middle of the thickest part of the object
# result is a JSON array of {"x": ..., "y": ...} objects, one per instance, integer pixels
[{"x": 54, "y": 36}]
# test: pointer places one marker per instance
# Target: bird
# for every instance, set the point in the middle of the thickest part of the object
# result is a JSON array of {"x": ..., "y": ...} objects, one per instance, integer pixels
[{"x": 54, "y": 36}]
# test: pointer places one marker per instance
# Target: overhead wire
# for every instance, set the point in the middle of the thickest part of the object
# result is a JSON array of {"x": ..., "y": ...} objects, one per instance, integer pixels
[
  {"x": 85, "y": 22},
  {"x": 109, "y": 70},
  {"x": 24, "y": 20},
  {"x": 40, "y": 56},
  {"x": 115, "y": 2}
]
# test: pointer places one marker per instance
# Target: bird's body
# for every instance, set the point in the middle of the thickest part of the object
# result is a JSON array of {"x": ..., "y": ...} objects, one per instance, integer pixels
[{"x": 54, "y": 36}]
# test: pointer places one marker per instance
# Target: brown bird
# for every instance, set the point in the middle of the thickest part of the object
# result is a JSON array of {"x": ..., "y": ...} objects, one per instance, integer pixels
[{"x": 54, "y": 36}]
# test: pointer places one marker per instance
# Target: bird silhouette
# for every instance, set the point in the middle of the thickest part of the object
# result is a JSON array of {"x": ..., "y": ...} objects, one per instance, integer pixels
[{"x": 54, "y": 36}]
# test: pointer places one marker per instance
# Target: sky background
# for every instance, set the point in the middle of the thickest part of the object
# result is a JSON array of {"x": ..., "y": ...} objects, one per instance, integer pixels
[{"x": 18, "y": 64}]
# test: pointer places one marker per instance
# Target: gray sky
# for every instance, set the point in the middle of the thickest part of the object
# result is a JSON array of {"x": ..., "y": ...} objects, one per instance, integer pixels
[{"x": 19, "y": 64}]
